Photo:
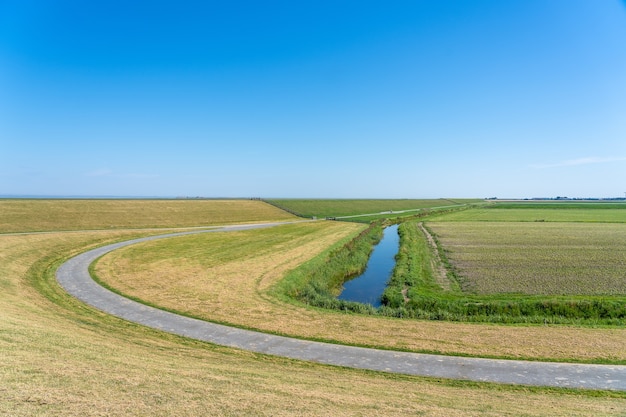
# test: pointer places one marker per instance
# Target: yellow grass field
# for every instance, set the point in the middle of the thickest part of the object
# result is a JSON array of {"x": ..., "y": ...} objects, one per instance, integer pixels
[
  {"x": 46, "y": 215},
  {"x": 225, "y": 277},
  {"x": 62, "y": 358}
]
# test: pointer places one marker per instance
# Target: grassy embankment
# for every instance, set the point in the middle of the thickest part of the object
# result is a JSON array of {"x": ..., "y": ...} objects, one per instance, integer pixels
[
  {"x": 365, "y": 211},
  {"x": 215, "y": 278},
  {"x": 63, "y": 358},
  {"x": 27, "y": 215}
]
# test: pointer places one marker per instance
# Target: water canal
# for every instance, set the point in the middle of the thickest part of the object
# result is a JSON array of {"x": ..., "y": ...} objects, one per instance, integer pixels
[{"x": 368, "y": 287}]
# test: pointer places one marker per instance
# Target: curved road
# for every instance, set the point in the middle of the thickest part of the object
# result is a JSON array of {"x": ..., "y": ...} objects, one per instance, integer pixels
[{"x": 74, "y": 277}]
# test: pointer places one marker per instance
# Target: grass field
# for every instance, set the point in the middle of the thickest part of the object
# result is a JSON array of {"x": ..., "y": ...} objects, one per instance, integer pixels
[
  {"x": 521, "y": 262},
  {"x": 556, "y": 258},
  {"x": 550, "y": 248},
  {"x": 543, "y": 212},
  {"x": 215, "y": 278},
  {"x": 495, "y": 264},
  {"x": 335, "y": 208},
  {"x": 62, "y": 358},
  {"x": 46, "y": 215}
]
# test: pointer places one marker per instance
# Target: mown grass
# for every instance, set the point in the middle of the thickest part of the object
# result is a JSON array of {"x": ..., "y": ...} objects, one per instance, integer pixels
[
  {"x": 350, "y": 207},
  {"x": 213, "y": 278},
  {"x": 415, "y": 270},
  {"x": 25, "y": 215},
  {"x": 544, "y": 212},
  {"x": 318, "y": 284},
  {"x": 62, "y": 358}
]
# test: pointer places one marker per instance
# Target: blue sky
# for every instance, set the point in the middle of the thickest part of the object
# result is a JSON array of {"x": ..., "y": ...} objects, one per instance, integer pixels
[{"x": 325, "y": 99}]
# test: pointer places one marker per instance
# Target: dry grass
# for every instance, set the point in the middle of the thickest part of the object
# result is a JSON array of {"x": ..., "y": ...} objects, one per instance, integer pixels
[
  {"x": 64, "y": 359},
  {"x": 225, "y": 277},
  {"x": 46, "y": 215}
]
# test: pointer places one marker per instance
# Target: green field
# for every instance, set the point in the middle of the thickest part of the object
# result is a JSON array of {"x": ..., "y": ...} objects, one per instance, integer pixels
[
  {"x": 540, "y": 212},
  {"x": 337, "y": 208},
  {"x": 62, "y": 358},
  {"x": 242, "y": 278}
]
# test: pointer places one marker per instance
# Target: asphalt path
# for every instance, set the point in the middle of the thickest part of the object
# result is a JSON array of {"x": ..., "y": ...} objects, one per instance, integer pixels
[
  {"x": 394, "y": 212},
  {"x": 74, "y": 277}
]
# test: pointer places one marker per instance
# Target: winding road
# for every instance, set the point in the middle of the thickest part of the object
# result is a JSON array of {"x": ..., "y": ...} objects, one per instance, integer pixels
[{"x": 74, "y": 277}]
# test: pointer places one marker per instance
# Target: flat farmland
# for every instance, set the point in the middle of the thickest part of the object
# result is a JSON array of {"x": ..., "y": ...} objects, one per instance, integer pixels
[
  {"x": 63, "y": 358},
  {"x": 231, "y": 278},
  {"x": 546, "y": 212},
  {"x": 349, "y": 207},
  {"x": 536, "y": 258}
]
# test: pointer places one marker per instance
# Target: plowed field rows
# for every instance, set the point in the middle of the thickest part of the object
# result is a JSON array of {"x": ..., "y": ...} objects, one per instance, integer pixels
[{"x": 536, "y": 258}]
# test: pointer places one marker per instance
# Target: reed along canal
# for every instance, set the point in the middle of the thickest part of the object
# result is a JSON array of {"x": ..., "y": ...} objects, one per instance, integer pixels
[{"x": 368, "y": 287}]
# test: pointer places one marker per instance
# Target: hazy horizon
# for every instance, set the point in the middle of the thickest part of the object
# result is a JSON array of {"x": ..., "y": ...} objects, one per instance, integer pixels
[{"x": 154, "y": 197}]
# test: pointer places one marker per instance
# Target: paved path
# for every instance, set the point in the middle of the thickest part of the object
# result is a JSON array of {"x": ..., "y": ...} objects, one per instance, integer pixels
[
  {"x": 395, "y": 212},
  {"x": 75, "y": 279}
]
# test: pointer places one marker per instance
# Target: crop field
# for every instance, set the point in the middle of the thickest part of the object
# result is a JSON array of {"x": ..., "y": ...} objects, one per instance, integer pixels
[
  {"x": 537, "y": 258},
  {"x": 337, "y": 208},
  {"x": 549, "y": 248},
  {"x": 62, "y": 358},
  {"x": 543, "y": 212},
  {"x": 44, "y": 215},
  {"x": 218, "y": 278},
  {"x": 519, "y": 262}
]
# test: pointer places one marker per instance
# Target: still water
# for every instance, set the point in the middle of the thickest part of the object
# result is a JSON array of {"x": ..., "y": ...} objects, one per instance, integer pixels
[{"x": 368, "y": 287}]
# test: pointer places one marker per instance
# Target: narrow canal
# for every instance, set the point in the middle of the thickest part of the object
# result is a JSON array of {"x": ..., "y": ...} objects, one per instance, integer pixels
[{"x": 368, "y": 287}]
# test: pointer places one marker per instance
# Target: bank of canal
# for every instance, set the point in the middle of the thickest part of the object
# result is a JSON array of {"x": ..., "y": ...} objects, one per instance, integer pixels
[{"x": 368, "y": 287}]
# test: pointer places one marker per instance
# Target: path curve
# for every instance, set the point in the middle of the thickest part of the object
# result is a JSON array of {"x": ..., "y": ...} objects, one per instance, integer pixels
[{"x": 74, "y": 277}]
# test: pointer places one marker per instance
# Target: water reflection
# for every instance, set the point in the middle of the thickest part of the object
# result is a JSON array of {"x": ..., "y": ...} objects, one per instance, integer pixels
[{"x": 368, "y": 287}]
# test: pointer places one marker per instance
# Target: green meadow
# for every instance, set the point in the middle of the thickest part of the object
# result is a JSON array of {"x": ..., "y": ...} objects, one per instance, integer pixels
[
  {"x": 63, "y": 358},
  {"x": 544, "y": 212},
  {"x": 338, "y": 208}
]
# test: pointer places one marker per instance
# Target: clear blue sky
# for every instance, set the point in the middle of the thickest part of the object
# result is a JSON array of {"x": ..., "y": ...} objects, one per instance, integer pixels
[{"x": 373, "y": 99}]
